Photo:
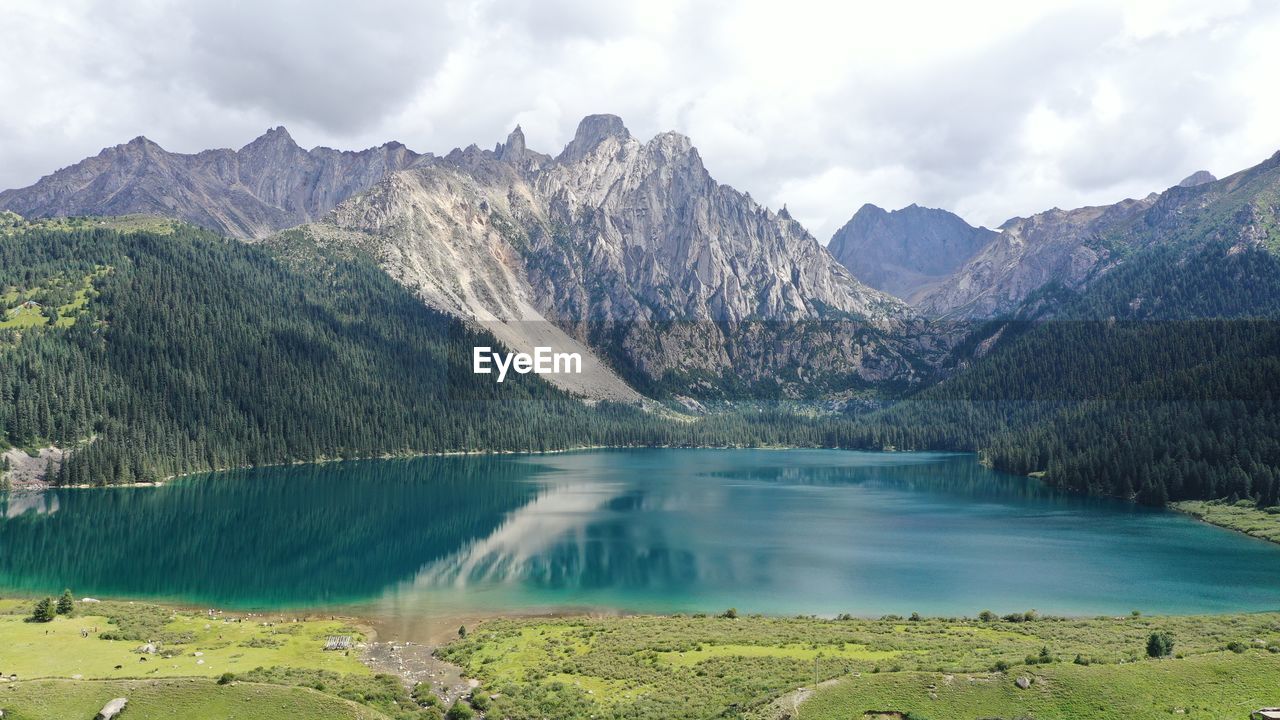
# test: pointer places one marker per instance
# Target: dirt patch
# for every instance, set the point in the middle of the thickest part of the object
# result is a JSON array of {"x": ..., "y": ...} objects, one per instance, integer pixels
[
  {"x": 787, "y": 707},
  {"x": 415, "y": 663}
]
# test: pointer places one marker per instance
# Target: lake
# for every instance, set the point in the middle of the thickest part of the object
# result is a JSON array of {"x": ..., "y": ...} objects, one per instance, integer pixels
[{"x": 771, "y": 531}]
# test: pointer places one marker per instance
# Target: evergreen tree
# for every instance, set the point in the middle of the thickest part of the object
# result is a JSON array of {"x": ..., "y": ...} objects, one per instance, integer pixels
[
  {"x": 66, "y": 603},
  {"x": 43, "y": 610}
]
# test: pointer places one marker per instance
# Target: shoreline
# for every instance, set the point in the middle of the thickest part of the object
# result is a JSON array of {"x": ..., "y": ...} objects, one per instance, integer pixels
[
  {"x": 1244, "y": 520},
  {"x": 581, "y": 665},
  {"x": 39, "y": 486}
]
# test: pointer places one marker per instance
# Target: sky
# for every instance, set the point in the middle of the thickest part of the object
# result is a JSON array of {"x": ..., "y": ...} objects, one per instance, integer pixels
[{"x": 988, "y": 109}]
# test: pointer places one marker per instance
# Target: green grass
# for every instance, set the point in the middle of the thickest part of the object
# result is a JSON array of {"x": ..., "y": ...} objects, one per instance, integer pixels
[
  {"x": 698, "y": 667},
  {"x": 12, "y": 223},
  {"x": 1243, "y": 517},
  {"x": 56, "y": 649},
  {"x": 78, "y": 291},
  {"x": 805, "y": 653},
  {"x": 1216, "y": 685},
  {"x": 277, "y": 666},
  {"x": 187, "y": 698}
]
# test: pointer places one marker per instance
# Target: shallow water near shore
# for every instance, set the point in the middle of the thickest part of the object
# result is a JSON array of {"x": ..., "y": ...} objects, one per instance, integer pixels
[{"x": 418, "y": 543}]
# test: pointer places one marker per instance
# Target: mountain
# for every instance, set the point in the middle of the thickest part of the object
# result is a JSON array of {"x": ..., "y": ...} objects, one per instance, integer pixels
[
  {"x": 1198, "y": 177},
  {"x": 180, "y": 351},
  {"x": 630, "y": 249},
  {"x": 265, "y": 186},
  {"x": 907, "y": 251},
  {"x": 1071, "y": 249}
]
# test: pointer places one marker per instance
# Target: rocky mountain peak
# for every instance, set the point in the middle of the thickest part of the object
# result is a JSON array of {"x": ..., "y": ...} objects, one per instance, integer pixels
[
  {"x": 1198, "y": 177},
  {"x": 275, "y": 138},
  {"x": 267, "y": 185},
  {"x": 514, "y": 148},
  {"x": 592, "y": 131},
  {"x": 905, "y": 251}
]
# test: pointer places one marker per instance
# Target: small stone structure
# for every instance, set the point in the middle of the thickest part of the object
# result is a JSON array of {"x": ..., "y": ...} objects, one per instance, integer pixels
[{"x": 338, "y": 642}]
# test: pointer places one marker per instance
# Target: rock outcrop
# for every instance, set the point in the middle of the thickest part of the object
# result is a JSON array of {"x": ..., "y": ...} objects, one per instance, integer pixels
[{"x": 632, "y": 250}]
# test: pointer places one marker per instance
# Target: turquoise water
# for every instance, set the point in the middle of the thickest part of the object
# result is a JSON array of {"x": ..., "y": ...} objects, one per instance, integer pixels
[{"x": 797, "y": 531}]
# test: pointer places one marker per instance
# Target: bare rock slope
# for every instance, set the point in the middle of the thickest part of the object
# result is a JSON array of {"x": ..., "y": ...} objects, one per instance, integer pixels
[
  {"x": 265, "y": 186},
  {"x": 630, "y": 249}
]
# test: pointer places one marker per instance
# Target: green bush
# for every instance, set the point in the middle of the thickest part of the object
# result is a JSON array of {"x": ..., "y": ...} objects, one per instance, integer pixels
[
  {"x": 1159, "y": 644},
  {"x": 460, "y": 711}
]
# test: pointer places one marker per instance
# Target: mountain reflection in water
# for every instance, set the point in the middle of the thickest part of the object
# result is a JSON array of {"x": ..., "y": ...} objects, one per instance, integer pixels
[{"x": 655, "y": 530}]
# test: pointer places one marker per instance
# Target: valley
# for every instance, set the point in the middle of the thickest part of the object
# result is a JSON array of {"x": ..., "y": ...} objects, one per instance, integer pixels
[{"x": 916, "y": 418}]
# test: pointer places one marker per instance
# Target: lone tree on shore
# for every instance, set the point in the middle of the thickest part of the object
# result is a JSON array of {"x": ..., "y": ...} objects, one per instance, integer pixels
[
  {"x": 66, "y": 603},
  {"x": 44, "y": 611},
  {"x": 1159, "y": 645}
]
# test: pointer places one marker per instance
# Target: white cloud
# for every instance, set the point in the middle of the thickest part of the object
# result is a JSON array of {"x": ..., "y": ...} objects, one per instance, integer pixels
[{"x": 988, "y": 108}]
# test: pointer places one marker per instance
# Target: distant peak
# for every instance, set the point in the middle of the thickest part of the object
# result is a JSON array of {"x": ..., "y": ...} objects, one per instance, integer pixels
[
  {"x": 141, "y": 142},
  {"x": 870, "y": 209},
  {"x": 593, "y": 130},
  {"x": 1198, "y": 177},
  {"x": 514, "y": 148},
  {"x": 275, "y": 137}
]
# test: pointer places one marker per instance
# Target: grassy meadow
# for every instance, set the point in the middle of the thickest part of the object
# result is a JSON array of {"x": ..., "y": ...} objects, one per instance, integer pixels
[
  {"x": 639, "y": 667},
  {"x": 1243, "y": 516},
  {"x": 704, "y": 667},
  {"x": 203, "y": 666}
]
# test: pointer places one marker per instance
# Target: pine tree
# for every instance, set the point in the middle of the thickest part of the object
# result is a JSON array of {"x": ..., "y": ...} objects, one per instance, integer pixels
[{"x": 43, "y": 611}]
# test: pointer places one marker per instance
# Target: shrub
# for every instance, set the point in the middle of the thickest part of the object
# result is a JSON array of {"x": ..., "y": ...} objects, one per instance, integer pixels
[
  {"x": 1236, "y": 647},
  {"x": 425, "y": 697},
  {"x": 1159, "y": 644},
  {"x": 731, "y": 614},
  {"x": 986, "y": 616},
  {"x": 226, "y": 678},
  {"x": 460, "y": 711}
]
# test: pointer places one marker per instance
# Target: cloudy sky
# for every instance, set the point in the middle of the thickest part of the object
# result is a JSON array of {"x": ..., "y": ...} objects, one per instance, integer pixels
[{"x": 991, "y": 109}]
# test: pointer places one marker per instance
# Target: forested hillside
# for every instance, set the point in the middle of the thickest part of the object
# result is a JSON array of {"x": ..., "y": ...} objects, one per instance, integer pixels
[
  {"x": 193, "y": 352},
  {"x": 157, "y": 353},
  {"x": 1160, "y": 382}
]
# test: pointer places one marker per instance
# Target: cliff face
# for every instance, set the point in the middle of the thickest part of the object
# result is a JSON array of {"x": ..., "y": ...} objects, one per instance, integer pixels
[
  {"x": 906, "y": 252},
  {"x": 265, "y": 186},
  {"x": 632, "y": 250}
]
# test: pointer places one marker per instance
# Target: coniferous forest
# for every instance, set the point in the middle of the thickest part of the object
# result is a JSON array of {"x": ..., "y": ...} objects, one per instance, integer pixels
[{"x": 155, "y": 354}]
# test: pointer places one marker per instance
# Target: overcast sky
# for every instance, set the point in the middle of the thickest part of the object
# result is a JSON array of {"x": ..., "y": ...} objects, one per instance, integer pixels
[{"x": 990, "y": 109}]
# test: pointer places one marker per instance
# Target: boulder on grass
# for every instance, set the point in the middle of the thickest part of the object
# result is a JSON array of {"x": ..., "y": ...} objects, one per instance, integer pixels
[
  {"x": 111, "y": 709},
  {"x": 1023, "y": 682}
]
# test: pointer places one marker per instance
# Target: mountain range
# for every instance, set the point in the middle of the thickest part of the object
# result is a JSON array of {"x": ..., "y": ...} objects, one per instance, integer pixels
[
  {"x": 330, "y": 306},
  {"x": 628, "y": 251}
]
